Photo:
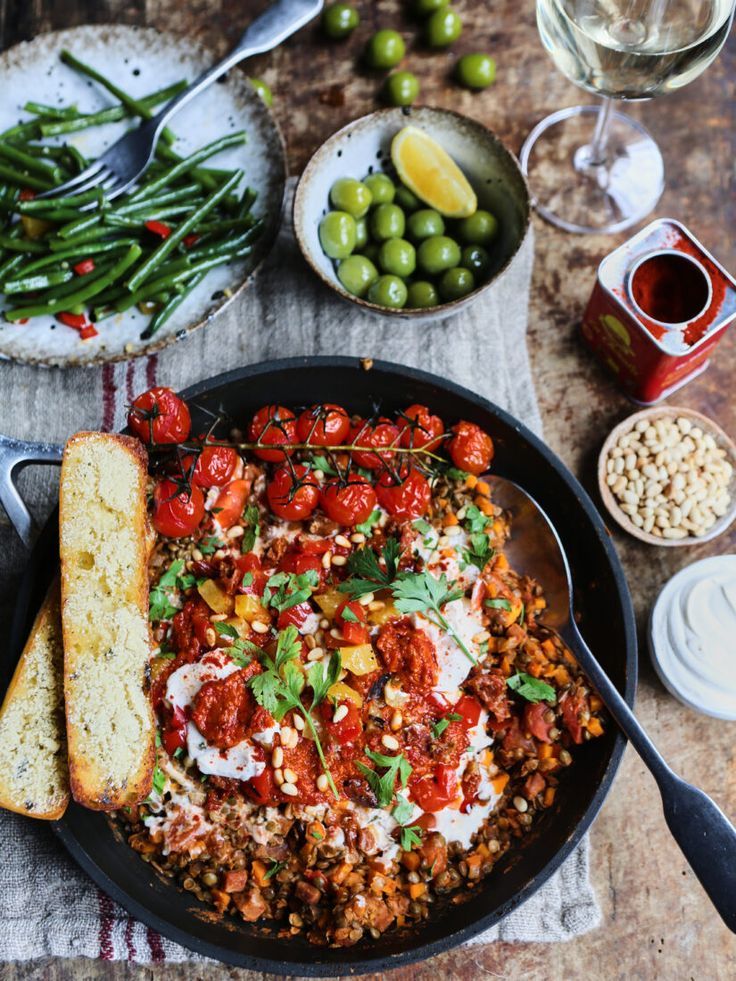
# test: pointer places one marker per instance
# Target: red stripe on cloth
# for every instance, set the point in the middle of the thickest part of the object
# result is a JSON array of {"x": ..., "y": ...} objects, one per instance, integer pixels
[
  {"x": 129, "y": 381},
  {"x": 129, "y": 939},
  {"x": 151, "y": 365},
  {"x": 109, "y": 389},
  {"x": 156, "y": 945},
  {"x": 106, "y": 920}
]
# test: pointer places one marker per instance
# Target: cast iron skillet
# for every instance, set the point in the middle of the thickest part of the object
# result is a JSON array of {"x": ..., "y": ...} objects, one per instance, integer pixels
[{"x": 607, "y": 622}]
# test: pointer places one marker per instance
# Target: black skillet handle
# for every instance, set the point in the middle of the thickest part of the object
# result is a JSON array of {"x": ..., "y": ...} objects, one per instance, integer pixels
[{"x": 14, "y": 455}]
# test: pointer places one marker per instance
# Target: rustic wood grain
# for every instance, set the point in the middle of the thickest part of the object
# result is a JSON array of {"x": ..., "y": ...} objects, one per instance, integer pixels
[{"x": 658, "y": 923}]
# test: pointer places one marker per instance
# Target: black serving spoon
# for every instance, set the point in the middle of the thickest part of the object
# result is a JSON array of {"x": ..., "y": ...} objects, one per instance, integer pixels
[{"x": 703, "y": 832}]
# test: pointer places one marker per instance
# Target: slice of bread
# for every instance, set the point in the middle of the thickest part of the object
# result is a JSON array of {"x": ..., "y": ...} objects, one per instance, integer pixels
[
  {"x": 104, "y": 545},
  {"x": 34, "y": 778}
]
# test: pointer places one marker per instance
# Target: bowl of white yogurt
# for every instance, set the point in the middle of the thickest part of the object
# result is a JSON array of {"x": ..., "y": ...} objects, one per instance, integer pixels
[{"x": 692, "y": 636}]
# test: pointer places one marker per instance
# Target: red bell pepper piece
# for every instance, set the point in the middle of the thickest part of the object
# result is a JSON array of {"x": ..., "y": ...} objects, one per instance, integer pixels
[
  {"x": 84, "y": 267},
  {"x": 158, "y": 228}
]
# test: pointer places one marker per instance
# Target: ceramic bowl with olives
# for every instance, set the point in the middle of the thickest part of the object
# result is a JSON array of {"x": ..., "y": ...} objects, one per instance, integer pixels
[{"x": 379, "y": 227}]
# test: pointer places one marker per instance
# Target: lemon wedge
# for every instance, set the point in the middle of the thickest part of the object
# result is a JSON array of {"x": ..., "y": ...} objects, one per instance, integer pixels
[{"x": 430, "y": 172}]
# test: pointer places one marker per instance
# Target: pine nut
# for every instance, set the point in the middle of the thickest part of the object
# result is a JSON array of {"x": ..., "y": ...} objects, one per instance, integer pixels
[
  {"x": 339, "y": 560},
  {"x": 366, "y": 600},
  {"x": 277, "y": 757},
  {"x": 315, "y": 654},
  {"x": 289, "y": 789},
  {"x": 396, "y": 721},
  {"x": 390, "y": 742},
  {"x": 375, "y": 605},
  {"x": 278, "y": 775},
  {"x": 520, "y": 804},
  {"x": 322, "y": 782},
  {"x": 290, "y": 776},
  {"x": 342, "y": 540},
  {"x": 299, "y": 723},
  {"x": 340, "y": 712},
  {"x": 357, "y": 538},
  {"x": 210, "y": 636},
  {"x": 260, "y": 627},
  {"x": 327, "y": 560}
]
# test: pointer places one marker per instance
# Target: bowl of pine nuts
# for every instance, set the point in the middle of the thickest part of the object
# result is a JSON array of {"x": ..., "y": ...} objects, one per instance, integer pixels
[{"x": 667, "y": 476}]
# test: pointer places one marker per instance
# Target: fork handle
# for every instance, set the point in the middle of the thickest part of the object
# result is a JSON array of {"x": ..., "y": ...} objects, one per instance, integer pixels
[{"x": 274, "y": 25}]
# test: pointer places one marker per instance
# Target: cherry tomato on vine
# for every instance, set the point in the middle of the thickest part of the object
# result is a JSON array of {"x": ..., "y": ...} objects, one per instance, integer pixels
[
  {"x": 230, "y": 503},
  {"x": 323, "y": 425},
  {"x": 176, "y": 512},
  {"x": 348, "y": 502},
  {"x": 293, "y": 499},
  {"x": 215, "y": 466},
  {"x": 470, "y": 448},
  {"x": 384, "y": 433},
  {"x": 160, "y": 416},
  {"x": 274, "y": 425},
  {"x": 408, "y": 498},
  {"x": 419, "y": 428}
]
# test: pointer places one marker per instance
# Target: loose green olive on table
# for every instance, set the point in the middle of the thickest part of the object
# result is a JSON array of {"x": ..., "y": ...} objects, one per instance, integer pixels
[
  {"x": 402, "y": 89},
  {"x": 339, "y": 20},
  {"x": 385, "y": 49},
  {"x": 263, "y": 90},
  {"x": 423, "y": 8},
  {"x": 476, "y": 71},
  {"x": 443, "y": 28},
  {"x": 395, "y": 252}
]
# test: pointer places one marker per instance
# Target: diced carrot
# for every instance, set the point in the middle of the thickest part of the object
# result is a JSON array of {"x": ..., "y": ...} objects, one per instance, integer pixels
[
  {"x": 483, "y": 488},
  {"x": 411, "y": 861},
  {"x": 471, "y": 481},
  {"x": 539, "y": 603},
  {"x": 549, "y": 796},
  {"x": 486, "y": 507},
  {"x": 569, "y": 658},
  {"x": 534, "y": 669},
  {"x": 500, "y": 782},
  {"x": 562, "y": 676},
  {"x": 400, "y": 920},
  {"x": 450, "y": 519},
  {"x": 474, "y": 860},
  {"x": 316, "y": 832},
  {"x": 545, "y": 751},
  {"x": 548, "y": 647},
  {"x": 497, "y": 526},
  {"x": 340, "y": 873},
  {"x": 595, "y": 703},
  {"x": 483, "y": 850},
  {"x": 501, "y": 563},
  {"x": 594, "y": 726},
  {"x": 417, "y": 889},
  {"x": 221, "y": 899},
  {"x": 259, "y": 872}
]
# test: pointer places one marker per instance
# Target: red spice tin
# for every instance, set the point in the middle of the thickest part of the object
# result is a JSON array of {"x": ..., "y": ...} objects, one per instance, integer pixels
[{"x": 660, "y": 305}]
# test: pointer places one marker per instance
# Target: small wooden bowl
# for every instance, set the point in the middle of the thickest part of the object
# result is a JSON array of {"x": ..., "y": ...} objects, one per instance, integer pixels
[{"x": 658, "y": 412}]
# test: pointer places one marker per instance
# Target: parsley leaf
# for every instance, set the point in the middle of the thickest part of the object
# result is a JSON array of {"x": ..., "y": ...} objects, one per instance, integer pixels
[
  {"x": 420, "y": 592},
  {"x": 322, "y": 678},
  {"x": 252, "y": 528},
  {"x": 366, "y": 527},
  {"x": 403, "y": 810},
  {"x": 498, "y": 604},
  {"x": 453, "y": 473},
  {"x": 479, "y": 551},
  {"x": 320, "y": 462},
  {"x": 439, "y": 727},
  {"x": 522, "y": 615},
  {"x": 209, "y": 545},
  {"x": 159, "y": 604},
  {"x": 383, "y": 786},
  {"x": 159, "y": 782},
  {"x": 285, "y": 589},
  {"x": 410, "y": 837},
  {"x": 475, "y": 521},
  {"x": 366, "y": 572},
  {"x": 348, "y": 616},
  {"x": 238, "y": 647},
  {"x": 274, "y": 868},
  {"x": 532, "y": 689},
  {"x": 422, "y": 526}
]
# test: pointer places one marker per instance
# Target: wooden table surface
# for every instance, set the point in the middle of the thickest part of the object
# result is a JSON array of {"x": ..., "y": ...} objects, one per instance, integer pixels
[{"x": 657, "y": 922}]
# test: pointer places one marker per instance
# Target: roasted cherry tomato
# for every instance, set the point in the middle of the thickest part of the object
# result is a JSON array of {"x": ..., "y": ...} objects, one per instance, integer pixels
[
  {"x": 350, "y": 726},
  {"x": 299, "y": 563},
  {"x": 230, "y": 503},
  {"x": 323, "y": 425},
  {"x": 409, "y": 498},
  {"x": 176, "y": 512},
  {"x": 215, "y": 466},
  {"x": 470, "y": 448},
  {"x": 160, "y": 416},
  {"x": 469, "y": 708},
  {"x": 175, "y": 733},
  {"x": 250, "y": 565},
  {"x": 348, "y": 503},
  {"x": 262, "y": 789},
  {"x": 384, "y": 433},
  {"x": 273, "y": 425},
  {"x": 435, "y": 791},
  {"x": 293, "y": 496},
  {"x": 534, "y": 721},
  {"x": 419, "y": 428},
  {"x": 350, "y": 618},
  {"x": 572, "y": 706}
]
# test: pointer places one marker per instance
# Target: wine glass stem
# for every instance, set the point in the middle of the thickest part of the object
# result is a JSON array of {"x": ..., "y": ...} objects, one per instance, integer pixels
[{"x": 599, "y": 146}]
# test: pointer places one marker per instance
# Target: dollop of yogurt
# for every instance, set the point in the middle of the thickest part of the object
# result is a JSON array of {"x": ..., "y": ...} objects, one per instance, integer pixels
[{"x": 693, "y": 636}]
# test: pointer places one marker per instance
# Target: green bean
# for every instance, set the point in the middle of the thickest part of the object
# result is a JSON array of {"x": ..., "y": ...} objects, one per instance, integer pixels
[
  {"x": 95, "y": 194},
  {"x": 176, "y": 194},
  {"x": 20, "y": 179},
  {"x": 31, "y": 284},
  {"x": 185, "y": 166},
  {"x": 226, "y": 225},
  {"x": 226, "y": 245},
  {"x": 160, "y": 318},
  {"x": 11, "y": 264},
  {"x": 140, "y": 220},
  {"x": 166, "y": 282},
  {"x": 134, "y": 105},
  {"x": 78, "y": 254},
  {"x": 182, "y": 230},
  {"x": 77, "y": 159},
  {"x": 112, "y": 115},
  {"x": 92, "y": 286},
  {"x": 54, "y": 112},
  {"x": 20, "y": 244},
  {"x": 22, "y": 131},
  {"x": 28, "y": 162}
]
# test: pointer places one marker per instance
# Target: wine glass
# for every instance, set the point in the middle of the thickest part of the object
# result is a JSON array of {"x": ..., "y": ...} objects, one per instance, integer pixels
[{"x": 593, "y": 169}]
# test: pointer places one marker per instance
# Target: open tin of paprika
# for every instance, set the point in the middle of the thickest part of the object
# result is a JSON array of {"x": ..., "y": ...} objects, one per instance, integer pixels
[{"x": 660, "y": 305}]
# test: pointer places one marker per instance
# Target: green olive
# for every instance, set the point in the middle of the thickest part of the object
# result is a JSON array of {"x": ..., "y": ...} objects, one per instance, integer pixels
[
  {"x": 263, "y": 90},
  {"x": 443, "y": 27},
  {"x": 388, "y": 291},
  {"x": 381, "y": 187},
  {"x": 407, "y": 199},
  {"x": 361, "y": 234},
  {"x": 387, "y": 221},
  {"x": 423, "y": 8},
  {"x": 398, "y": 257},
  {"x": 357, "y": 274},
  {"x": 337, "y": 234},
  {"x": 456, "y": 283},
  {"x": 422, "y": 294},
  {"x": 476, "y": 71},
  {"x": 402, "y": 89},
  {"x": 478, "y": 229},
  {"x": 339, "y": 20},
  {"x": 385, "y": 49},
  {"x": 476, "y": 259},
  {"x": 424, "y": 224},
  {"x": 352, "y": 196},
  {"x": 437, "y": 254}
]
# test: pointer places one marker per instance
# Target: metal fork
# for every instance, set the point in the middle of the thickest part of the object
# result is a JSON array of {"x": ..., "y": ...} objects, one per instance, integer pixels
[{"x": 124, "y": 162}]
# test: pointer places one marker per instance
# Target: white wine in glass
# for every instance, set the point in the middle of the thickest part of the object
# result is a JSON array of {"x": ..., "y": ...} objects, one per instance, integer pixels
[{"x": 618, "y": 49}]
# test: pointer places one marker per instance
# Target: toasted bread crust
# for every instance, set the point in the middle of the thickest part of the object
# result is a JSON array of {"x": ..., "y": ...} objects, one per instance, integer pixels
[
  {"x": 34, "y": 778},
  {"x": 104, "y": 548}
]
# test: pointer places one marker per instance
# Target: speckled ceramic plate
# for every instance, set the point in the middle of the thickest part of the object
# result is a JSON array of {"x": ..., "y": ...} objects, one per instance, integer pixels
[{"x": 141, "y": 60}]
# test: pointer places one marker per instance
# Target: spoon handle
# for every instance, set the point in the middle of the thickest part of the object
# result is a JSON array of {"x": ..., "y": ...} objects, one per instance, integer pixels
[{"x": 703, "y": 832}]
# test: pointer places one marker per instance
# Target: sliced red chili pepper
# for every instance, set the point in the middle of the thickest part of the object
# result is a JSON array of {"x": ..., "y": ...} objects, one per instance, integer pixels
[
  {"x": 190, "y": 240},
  {"x": 76, "y": 320},
  {"x": 84, "y": 267},
  {"x": 87, "y": 332},
  {"x": 158, "y": 228}
]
